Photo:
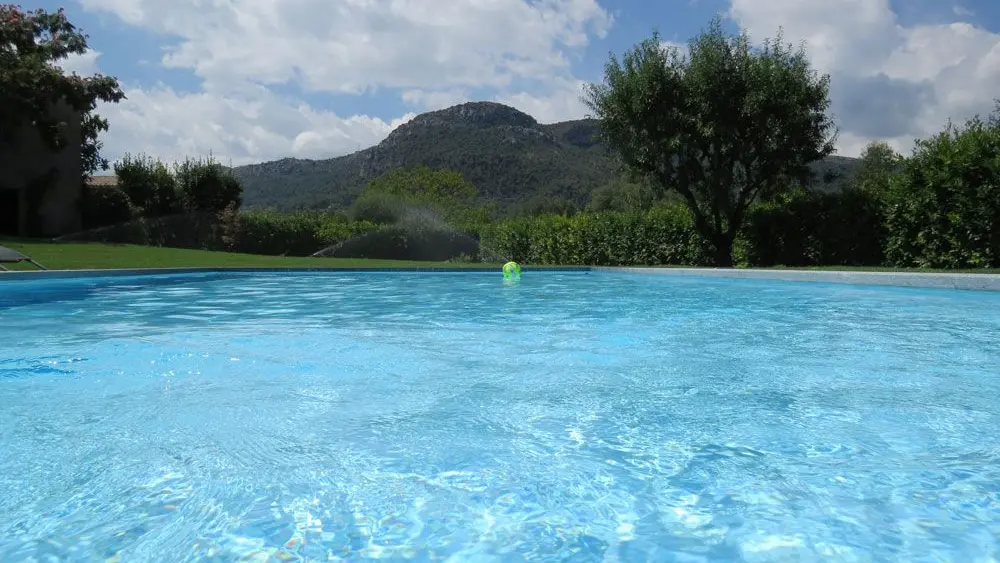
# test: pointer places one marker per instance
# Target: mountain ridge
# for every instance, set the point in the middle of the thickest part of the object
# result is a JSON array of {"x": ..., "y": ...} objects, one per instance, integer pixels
[{"x": 506, "y": 153}]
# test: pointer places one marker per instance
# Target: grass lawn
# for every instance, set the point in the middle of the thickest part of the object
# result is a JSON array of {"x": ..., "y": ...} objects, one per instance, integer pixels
[
  {"x": 85, "y": 255},
  {"x": 77, "y": 256}
]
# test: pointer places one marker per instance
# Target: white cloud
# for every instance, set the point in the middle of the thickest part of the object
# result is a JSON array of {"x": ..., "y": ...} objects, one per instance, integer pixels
[
  {"x": 84, "y": 65},
  {"x": 430, "y": 100},
  {"x": 242, "y": 127},
  {"x": 561, "y": 102},
  {"x": 351, "y": 45},
  {"x": 962, "y": 11},
  {"x": 888, "y": 81},
  {"x": 434, "y": 54}
]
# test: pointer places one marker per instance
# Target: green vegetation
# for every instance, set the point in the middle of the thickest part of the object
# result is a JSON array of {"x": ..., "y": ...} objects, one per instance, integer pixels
[
  {"x": 76, "y": 256},
  {"x": 943, "y": 207},
  {"x": 149, "y": 189},
  {"x": 697, "y": 124},
  {"x": 724, "y": 154},
  {"x": 31, "y": 42},
  {"x": 506, "y": 154}
]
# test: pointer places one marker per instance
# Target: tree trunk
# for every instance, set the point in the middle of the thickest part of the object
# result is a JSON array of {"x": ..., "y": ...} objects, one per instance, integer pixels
[{"x": 723, "y": 256}]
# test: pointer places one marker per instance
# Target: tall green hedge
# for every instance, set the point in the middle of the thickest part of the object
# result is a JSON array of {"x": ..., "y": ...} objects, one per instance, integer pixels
[
  {"x": 944, "y": 207},
  {"x": 664, "y": 235},
  {"x": 292, "y": 234},
  {"x": 815, "y": 229}
]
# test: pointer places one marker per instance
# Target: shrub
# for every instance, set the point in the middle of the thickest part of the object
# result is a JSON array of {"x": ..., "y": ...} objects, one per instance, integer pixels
[
  {"x": 149, "y": 185},
  {"x": 293, "y": 234},
  {"x": 622, "y": 196},
  {"x": 544, "y": 205},
  {"x": 378, "y": 207},
  {"x": 407, "y": 242},
  {"x": 185, "y": 230},
  {"x": 944, "y": 208},
  {"x": 812, "y": 229},
  {"x": 104, "y": 206},
  {"x": 664, "y": 235},
  {"x": 204, "y": 185}
]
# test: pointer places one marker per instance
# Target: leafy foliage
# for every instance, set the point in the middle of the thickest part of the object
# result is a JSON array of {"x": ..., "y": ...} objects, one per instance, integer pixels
[
  {"x": 31, "y": 43},
  {"x": 543, "y": 205},
  {"x": 804, "y": 228},
  {"x": 665, "y": 235},
  {"x": 292, "y": 234},
  {"x": 622, "y": 196},
  {"x": 200, "y": 185},
  {"x": 205, "y": 185},
  {"x": 149, "y": 185},
  {"x": 724, "y": 127},
  {"x": 420, "y": 194},
  {"x": 878, "y": 164},
  {"x": 103, "y": 206},
  {"x": 408, "y": 242},
  {"x": 944, "y": 206}
]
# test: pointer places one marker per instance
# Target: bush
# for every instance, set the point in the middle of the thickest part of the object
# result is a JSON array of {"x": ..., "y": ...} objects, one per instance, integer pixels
[
  {"x": 292, "y": 234},
  {"x": 622, "y": 196},
  {"x": 104, "y": 206},
  {"x": 149, "y": 185},
  {"x": 204, "y": 185},
  {"x": 812, "y": 229},
  {"x": 186, "y": 230},
  {"x": 407, "y": 242},
  {"x": 544, "y": 205},
  {"x": 664, "y": 235},
  {"x": 378, "y": 207},
  {"x": 944, "y": 208}
]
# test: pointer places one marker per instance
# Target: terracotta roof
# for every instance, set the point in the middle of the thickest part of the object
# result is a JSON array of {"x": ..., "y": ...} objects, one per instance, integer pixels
[{"x": 102, "y": 181}]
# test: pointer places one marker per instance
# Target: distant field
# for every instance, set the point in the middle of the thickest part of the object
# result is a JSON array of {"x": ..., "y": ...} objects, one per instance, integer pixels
[{"x": 79, "y": 256}]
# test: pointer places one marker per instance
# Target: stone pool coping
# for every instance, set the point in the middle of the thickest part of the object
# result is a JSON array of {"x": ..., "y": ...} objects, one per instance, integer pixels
[
  {"x": 961, "y": 281},
  {"x": 932, "y": 280}
]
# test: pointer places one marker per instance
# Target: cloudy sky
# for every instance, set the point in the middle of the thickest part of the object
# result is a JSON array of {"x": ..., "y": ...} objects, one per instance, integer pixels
[{"x": 254, "y": 80}]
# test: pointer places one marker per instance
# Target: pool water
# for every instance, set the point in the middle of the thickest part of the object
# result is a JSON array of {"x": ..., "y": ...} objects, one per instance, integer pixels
[{"x": 438, "y": 416}]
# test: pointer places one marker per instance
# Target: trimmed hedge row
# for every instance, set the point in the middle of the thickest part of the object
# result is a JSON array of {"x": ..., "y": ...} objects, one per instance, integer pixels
[
  {"x": 664, "y": 235},
  {"x": 291, "y": 234},
  {"x": 803, "y": 229}
]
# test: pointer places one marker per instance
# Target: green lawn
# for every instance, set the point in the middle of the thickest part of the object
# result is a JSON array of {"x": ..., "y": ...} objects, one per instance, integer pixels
[{"x": 77, "y": 256}]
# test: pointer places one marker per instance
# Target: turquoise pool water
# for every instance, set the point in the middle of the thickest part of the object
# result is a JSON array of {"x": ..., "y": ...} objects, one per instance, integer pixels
[{"x": 574, "y": 417}]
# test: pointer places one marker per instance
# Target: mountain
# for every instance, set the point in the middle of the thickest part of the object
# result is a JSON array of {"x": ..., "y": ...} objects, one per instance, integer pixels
[{"x": 506, "y": 153}]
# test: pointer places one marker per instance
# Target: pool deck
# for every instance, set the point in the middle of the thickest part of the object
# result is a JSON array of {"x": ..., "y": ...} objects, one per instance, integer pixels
[{"x": 962, "y": 281}]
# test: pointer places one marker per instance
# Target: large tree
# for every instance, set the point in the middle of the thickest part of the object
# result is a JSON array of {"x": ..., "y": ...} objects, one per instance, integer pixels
[
  {"x": 723, "y": 125},
  {"x": 31, "y": 45}
]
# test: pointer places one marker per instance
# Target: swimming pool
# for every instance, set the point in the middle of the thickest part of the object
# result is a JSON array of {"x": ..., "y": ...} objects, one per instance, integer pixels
[{"x": 575, "y": 416}]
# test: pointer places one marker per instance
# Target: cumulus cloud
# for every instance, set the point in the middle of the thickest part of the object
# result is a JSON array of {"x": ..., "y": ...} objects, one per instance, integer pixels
[
  {"x": 560, "y": 101},
  {"x": 888, "y": 81},
  {"x": 432, "y": 56},
  {"x": 237, "y": 126},
  {"x": 84, "y": 65}
]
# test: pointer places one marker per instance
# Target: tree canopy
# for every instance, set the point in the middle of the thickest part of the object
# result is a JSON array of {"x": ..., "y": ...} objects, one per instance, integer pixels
[
  {"x": 723, "y": 125},
  {"x": 944, "y": 204},
  {"x": 31, "y": 45},
  {"x": 404, "y": 192}
]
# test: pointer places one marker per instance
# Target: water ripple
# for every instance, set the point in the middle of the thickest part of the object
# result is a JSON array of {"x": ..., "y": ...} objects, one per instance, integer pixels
[{"x": 574, "y": 417}]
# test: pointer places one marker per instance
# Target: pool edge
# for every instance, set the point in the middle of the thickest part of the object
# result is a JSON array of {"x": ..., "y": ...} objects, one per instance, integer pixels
[
  {"x": 921, "y": 280},
  {"x": 929, "y": 280},
  {"x": 129, "y": 272}
]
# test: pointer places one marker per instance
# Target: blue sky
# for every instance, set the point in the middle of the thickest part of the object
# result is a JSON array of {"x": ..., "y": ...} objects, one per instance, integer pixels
[{"x": 264, "y": 79}]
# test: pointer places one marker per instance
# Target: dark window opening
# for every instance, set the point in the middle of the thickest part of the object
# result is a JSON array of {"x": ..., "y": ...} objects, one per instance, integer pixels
[{"x": 10, "y": 213}]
